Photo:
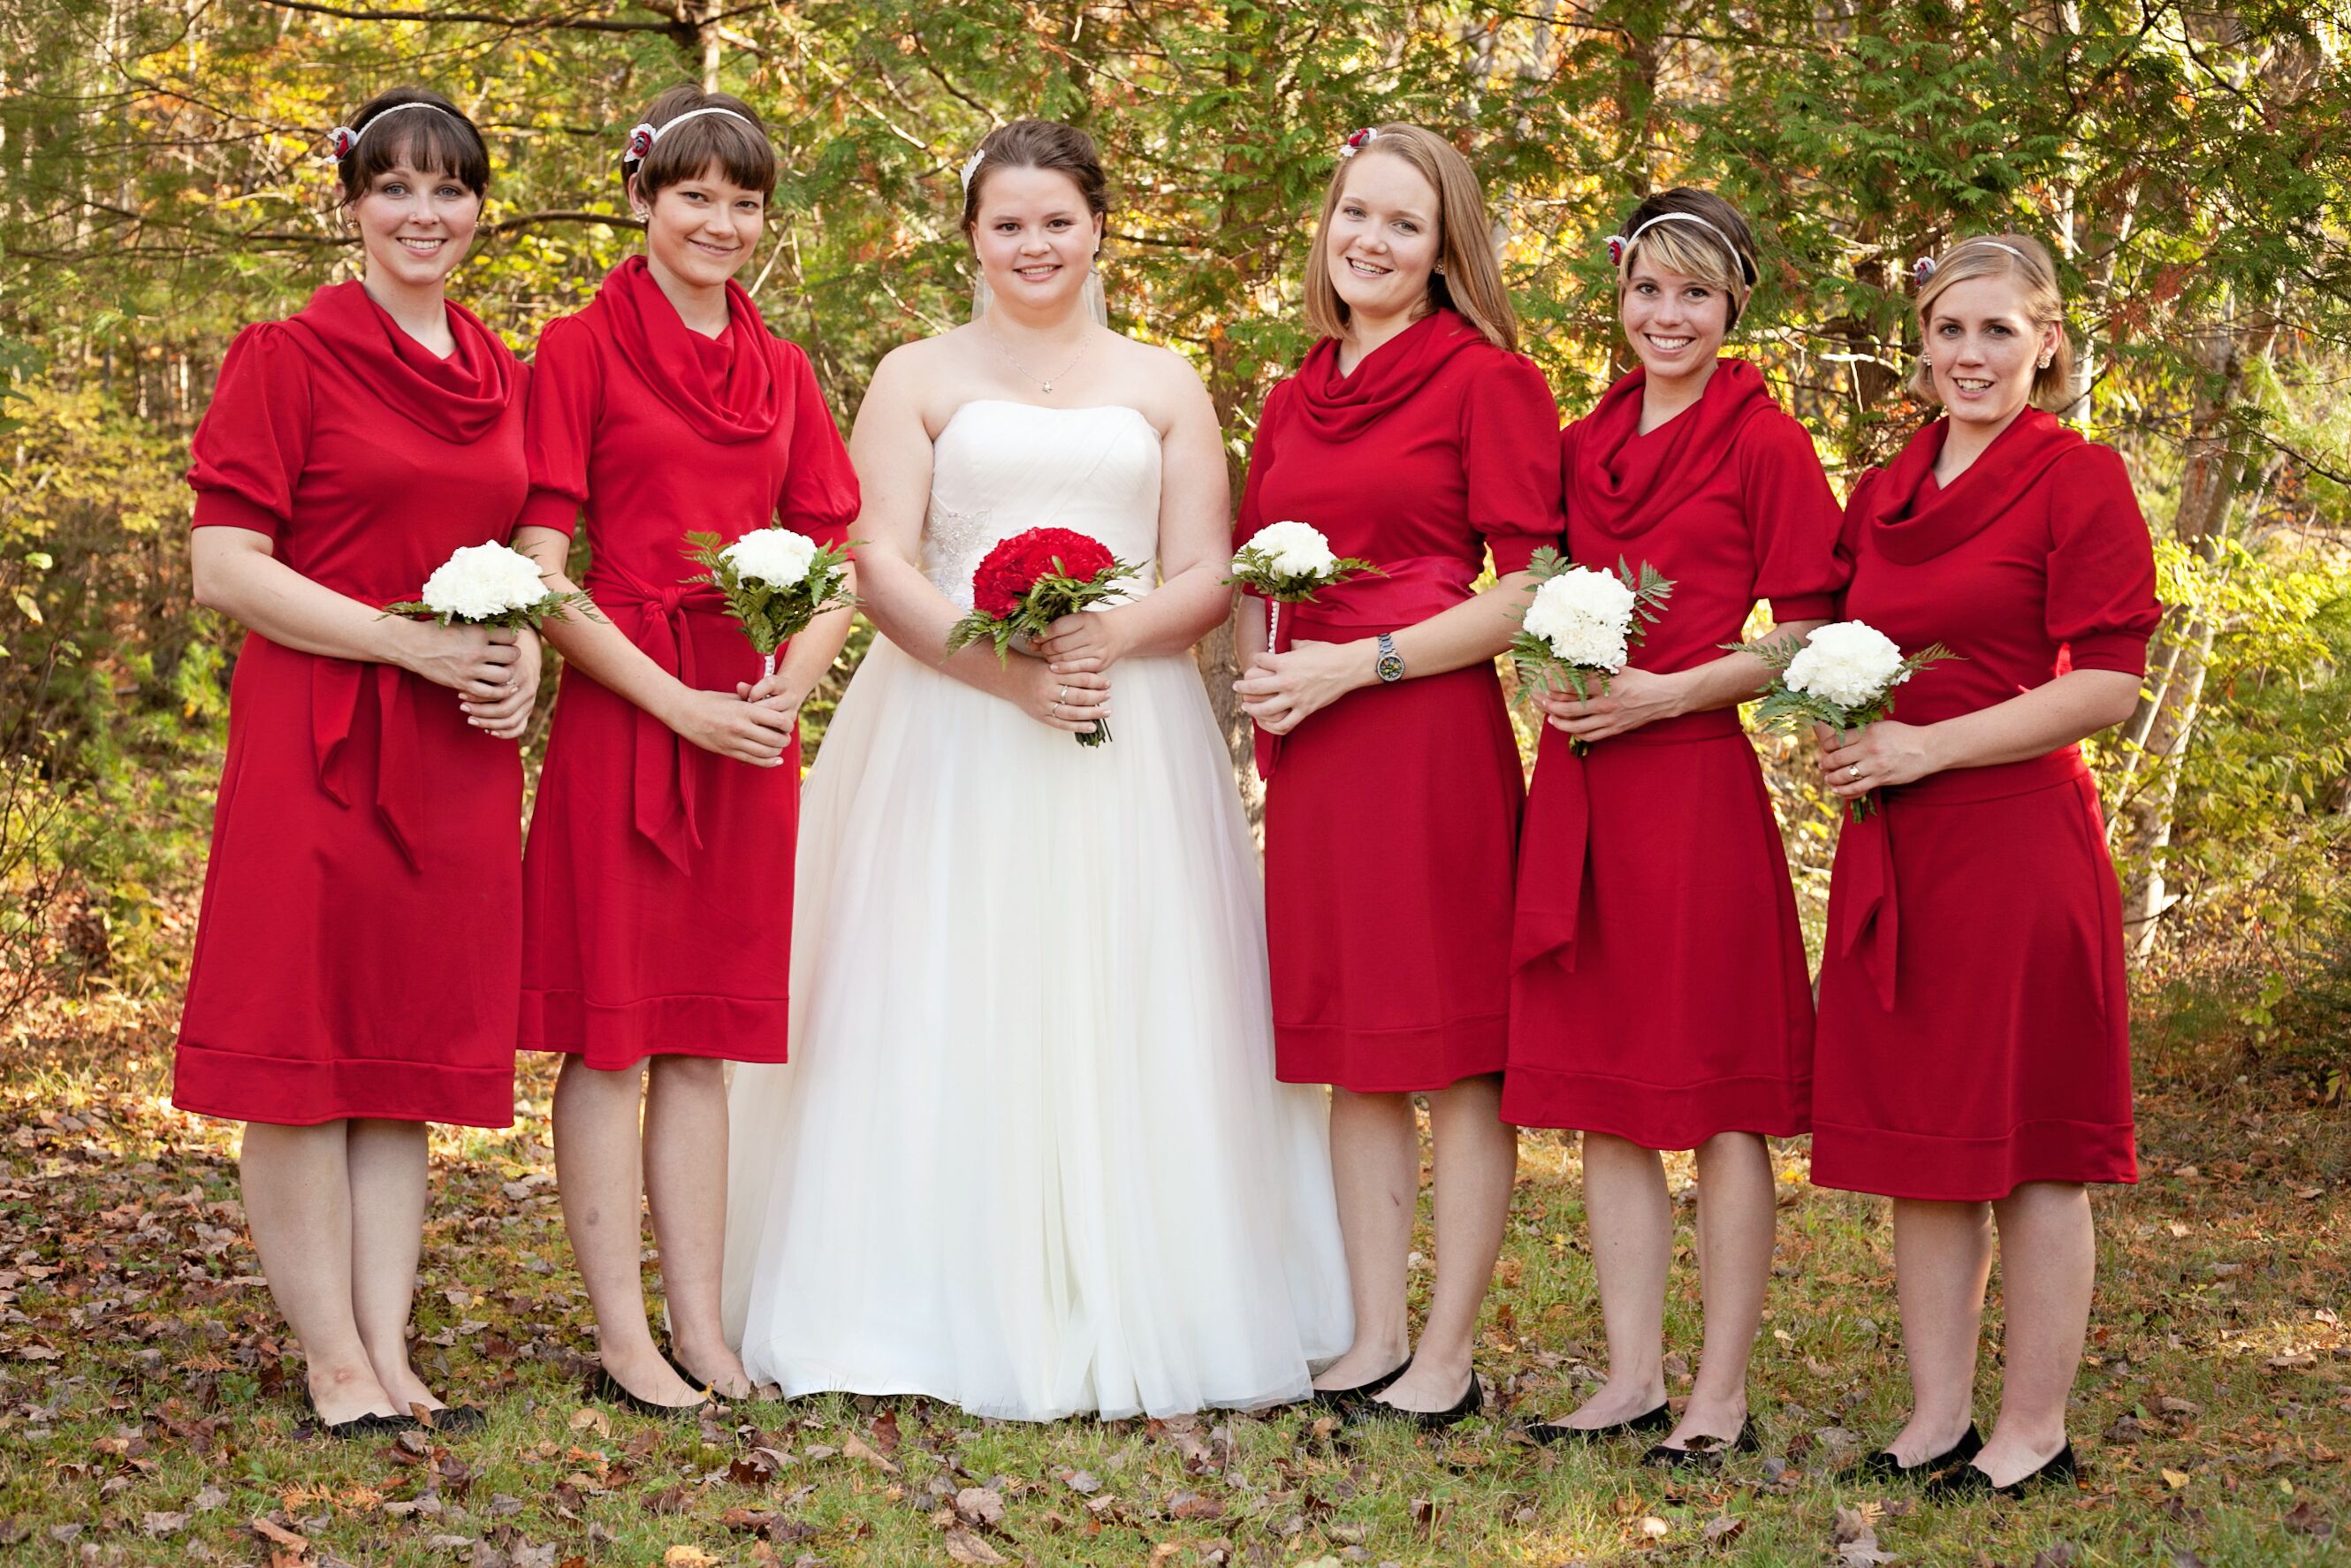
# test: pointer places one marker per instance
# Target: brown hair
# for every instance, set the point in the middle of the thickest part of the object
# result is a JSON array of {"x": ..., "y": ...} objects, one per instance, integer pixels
[
  {"x": 1039, "y": 144},
  {"x": 1718, "y": 249},
  {"x": 741, "y": 151},
  {"x": 440, "y": 139},
  {"x": 1469, "y": 274},
  {"x": 2026, "y": 261}
]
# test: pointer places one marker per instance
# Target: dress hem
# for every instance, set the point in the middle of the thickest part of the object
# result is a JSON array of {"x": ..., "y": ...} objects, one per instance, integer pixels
[
  {"x": 1596, "y": 1102},
  {"x": 1933, "y": 1169},
  {"x": 611, "y": 1038},
  {"x": 237, "y": 1086},
  {"x": 1348, "y": 1059}
]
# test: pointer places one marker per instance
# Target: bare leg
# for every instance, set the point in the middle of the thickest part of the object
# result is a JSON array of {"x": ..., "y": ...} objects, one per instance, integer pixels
[
  {"x": 1477, "y": 1156},
  {"x": 297, "y": 1204},
  {"x": 387, "y": 1165},
  {"x": 1375, "y": 1165},
  {"x": 1735, "y": 1219},
  {"x": 1630, "y": 1216},
  {"x": 686, "y": 1178},
  {"x": 2048, "y": 1259},
  {"x": 1942, "y": 1260},
  {"x": 596, "y": 1172}
]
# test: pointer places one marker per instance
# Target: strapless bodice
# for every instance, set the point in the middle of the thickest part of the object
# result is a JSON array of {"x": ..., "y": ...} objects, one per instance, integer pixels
[{"x": 999, "y": 468}]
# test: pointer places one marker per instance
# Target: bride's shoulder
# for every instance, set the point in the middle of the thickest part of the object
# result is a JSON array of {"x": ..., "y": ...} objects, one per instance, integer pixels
[{"x": 1162, "y": 383}]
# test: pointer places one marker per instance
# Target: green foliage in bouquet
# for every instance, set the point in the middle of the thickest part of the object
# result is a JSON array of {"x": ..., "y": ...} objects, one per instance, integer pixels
[
  {"x": 773, "y": 613},
  {"x": 1540, "y": 668},
  {"x": 1254, "y": 568}
]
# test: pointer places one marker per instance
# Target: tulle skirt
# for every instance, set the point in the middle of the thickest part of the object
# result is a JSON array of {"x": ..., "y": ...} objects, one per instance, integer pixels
[{"x": 1029, "y": 1156}]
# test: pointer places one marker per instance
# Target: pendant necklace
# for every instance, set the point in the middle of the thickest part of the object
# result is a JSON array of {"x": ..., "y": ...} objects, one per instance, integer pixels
[{"x": 1044, "y": 384}]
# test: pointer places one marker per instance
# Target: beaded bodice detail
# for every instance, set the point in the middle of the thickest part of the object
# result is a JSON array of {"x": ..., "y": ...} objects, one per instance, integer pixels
[{"x": 999, "y": 468}]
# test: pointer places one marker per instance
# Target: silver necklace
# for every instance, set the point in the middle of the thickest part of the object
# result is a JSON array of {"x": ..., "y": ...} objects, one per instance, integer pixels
[{"x": 1044, "y": 384}]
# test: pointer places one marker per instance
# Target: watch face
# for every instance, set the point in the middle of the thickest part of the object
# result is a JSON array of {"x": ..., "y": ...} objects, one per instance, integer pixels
[{"x": 1391, "y": 666}]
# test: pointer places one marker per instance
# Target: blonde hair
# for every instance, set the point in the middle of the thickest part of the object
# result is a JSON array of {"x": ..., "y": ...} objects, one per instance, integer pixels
[
  {"x": 2025, "y": 261},
  {"x": 1469, "y": 276},
  {"x": 1718, "y": 248}
]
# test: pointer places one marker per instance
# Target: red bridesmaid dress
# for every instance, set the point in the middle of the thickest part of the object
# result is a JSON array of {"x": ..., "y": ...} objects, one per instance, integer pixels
[
  {"x": 1659, "y": 988},
  {"x": 1391, "y": 815},
  {"x": 1974, "y": 1023},
  {"x": 658, "y": 884},
  {"x": 360, "y": 950}
]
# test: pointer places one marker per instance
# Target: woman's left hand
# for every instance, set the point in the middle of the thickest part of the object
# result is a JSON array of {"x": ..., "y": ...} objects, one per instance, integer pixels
[
  {"x": 1085, "y": 644},
  {"x": 1875, "y": 756},
  {"x": 1634, "y": 697},
  {"x": 1280, "y": 690},
  {"x": 779, "y": 691},
  {"x": 507, "y": 715}
]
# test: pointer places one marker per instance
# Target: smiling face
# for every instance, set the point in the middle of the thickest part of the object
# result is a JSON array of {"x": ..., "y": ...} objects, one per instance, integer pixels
[
  {"x": 1384, "y": 238},
  {"x": 1675, "y": 323},
  {"x": 701, "y": 231},
  {"x": 1035, "y": 236},
  {"x": 1984, "y": 349},
  {"x": 415, "y": 226}
]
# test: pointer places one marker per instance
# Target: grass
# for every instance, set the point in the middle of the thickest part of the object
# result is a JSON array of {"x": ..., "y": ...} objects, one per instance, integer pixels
[{"x": 149, "y": 1401}]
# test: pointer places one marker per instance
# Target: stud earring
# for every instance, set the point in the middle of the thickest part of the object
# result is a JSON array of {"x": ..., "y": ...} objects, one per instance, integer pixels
[
  {"x": 2046, "y": 356},
  {"x": 1440, "y": 269},
  {"x": 1925, "y": 363}
]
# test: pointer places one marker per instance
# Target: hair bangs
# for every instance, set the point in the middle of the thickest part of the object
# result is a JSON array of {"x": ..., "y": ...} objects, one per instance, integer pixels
[
  {"x": 434, "y": 139},
  {"x": 1692, "y": 252}
]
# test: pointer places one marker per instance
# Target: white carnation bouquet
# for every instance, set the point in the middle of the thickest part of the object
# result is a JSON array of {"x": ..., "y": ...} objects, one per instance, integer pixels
[
  {"x": 1286, "y": 561},
  {"x": 490, "y": 585},
  {"x": 1844, "y": 677},
  {"x": 775, "y": 581},
  {"x": 1581, "y": 625}
]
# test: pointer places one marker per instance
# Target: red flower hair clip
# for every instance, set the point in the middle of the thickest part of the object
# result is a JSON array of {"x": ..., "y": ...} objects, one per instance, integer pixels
[
  {"x": 1922, "y": 269},
  {"x": 639, "y": 143},
  {"x": 1615, "y": 250},
  {"x": 339, "y": 142},
  {"x": 1357, "y": 141}
]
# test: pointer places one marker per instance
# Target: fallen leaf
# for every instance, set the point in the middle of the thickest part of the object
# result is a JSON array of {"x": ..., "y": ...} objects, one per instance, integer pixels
[
  {"x": 1194, "y": 1505},
  {"x": 1082, "y": 1483},
  {"x": 163, "y": 1523},
  {"x": 588, "y": 1416},
  {"x": 1723, "y": 1528},
  {"x": 857, "y": 1447},
  {"x": 979, "y": 1505},
  {"x": 1655, "y": 1528},
  {"x": 1855, "y": 1539},
  {"x": 277, "y": 1534},
  {"x": 963, "y": 1546},
  {"x": 2175, "y": 1479},
  {"x": 687, "y": 1557}
]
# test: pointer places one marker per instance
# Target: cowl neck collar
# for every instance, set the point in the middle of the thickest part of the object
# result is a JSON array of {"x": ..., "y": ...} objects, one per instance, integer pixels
[
  {"x": 1912, "y": 518},
  {"x": 1337, "y": 406},
  {"x": 1623, "y": 483},
  {"x": 725, "y": 387},
  {"x": 460, "y": 397}
]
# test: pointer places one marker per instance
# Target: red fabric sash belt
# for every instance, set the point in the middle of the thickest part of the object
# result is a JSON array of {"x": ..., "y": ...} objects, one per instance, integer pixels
[
  {"x": 1555, "y": 834},
  {"x": 664, "y": 779},
  {"x": 1415, "y": 588},
  {"x": 337, "y": 686},
  {"x": 1866, "y": 909}
]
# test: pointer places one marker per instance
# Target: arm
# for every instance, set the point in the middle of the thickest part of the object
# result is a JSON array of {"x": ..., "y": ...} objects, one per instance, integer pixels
[
  {"x": 1280, "y": 690},
  {"x": 1194, "y": 551},
  {"x": 1634, "y": 698},
  {"x": 495, "y": 673},
  {"x": 891, "y": 450},
  {"x": 2076, "y": 705}
]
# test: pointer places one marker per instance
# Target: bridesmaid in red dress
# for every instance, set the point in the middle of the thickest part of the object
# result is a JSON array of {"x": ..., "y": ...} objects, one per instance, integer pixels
[
  {"x": 1973, "y": 1059},
  {"x": 1413, "y": 436},
  {"x": 658, "y": 884},
  {"x": 359, "y": 952},
  {"x": 1660, "y": 998}
]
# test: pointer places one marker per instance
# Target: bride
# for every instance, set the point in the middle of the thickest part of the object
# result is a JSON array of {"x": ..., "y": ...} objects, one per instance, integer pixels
[{"x": 1029, "y": 1156}]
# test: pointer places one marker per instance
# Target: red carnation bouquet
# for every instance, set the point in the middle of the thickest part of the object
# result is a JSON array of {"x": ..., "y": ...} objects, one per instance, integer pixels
[{"x": 1030, "y": 580}]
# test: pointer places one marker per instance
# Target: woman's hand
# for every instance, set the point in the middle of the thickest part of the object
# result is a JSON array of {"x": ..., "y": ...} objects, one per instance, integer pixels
[
  {"x": 508, "y": 715},
  {"x": 1633, "y": 698},
  {"x": 1280, "y": 690},
  {"x": 1072, "y": 702},
  {"x": 748, "y": 732},
  {"x": 1875, "y": 756},
  {"x": 476, "y": 662},
  {"x": 1086, "y": 643},
  {"x": 781, "y": 691}
]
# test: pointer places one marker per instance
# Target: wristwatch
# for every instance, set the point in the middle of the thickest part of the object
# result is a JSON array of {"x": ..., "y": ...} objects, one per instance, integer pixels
[{"x": 1391, "y": 662}]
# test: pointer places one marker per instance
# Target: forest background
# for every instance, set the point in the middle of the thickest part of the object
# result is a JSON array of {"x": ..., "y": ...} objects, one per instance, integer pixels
[{"x": 162, "y": 185}]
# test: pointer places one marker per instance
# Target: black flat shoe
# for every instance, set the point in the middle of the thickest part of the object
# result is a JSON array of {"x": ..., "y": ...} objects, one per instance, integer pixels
[
  {"x": 455, "y": 1418},
  {"x": 1882, "y": 1466},
  {"x": 1703, "y": 1453},
  {"x": 1969, "y": 1482},
  {"x": 1339, "y": 1401},
  {"x": 1461, "y": 1409},
  {"x": 368, "y": 1426},
  {"x": 606, "y": 1388},
  {"x": 1661, "y": 1419}
]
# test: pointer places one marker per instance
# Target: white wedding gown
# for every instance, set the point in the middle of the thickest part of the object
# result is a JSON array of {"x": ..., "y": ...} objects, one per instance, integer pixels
[{"x": 1029, "y": 1156}]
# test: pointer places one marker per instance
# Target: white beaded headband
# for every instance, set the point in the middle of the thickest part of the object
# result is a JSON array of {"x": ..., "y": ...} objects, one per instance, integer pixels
[
  {"x": 642, "y": 137},
  {"x": 343, "y": 140},
  {"x": 1621, "y": 245},
  {"x": 1924, "y": 267}
]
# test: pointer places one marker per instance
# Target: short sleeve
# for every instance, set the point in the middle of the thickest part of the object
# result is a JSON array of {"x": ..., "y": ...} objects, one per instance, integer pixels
[
  {"x": 2101, "y": 602},
  {"x": 1251, "y": 518},
  {"x": 1510, "y": 457},
  {"x": 564, "y": 402},
  {"x": 820, "y": 495},
  {"x": 249, "y": 450},
  {"x": 1794, "y": 520}
]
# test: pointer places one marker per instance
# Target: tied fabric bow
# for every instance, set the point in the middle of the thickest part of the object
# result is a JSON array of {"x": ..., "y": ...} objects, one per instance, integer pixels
[
  {"x": 663, "y": 775},
  {"x": 1860, "y": 890},
  {"x": 1553, "y": 840},
  {"x": 336, "y": 688}
]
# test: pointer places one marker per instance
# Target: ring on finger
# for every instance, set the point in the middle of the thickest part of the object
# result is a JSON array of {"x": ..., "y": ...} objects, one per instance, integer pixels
[
  {"x": 1054, "y": 711},
  {"x": 1852, "y": 772}
]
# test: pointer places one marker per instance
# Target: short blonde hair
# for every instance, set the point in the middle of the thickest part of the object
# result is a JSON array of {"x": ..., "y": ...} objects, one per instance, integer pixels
[
  {"x": 2025, "y": 260},
  {"x": 1717, "y": 249},
  {"x": 1470, "y": 280}
]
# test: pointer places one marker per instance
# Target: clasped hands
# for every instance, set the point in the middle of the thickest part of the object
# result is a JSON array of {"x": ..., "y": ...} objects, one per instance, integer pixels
[
  {"x": 494, "y": 672},
  {"x": 754, "y": 725},
  {"x": 1875, "y": 756},
  {"x": 1064, "y": 682}
]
